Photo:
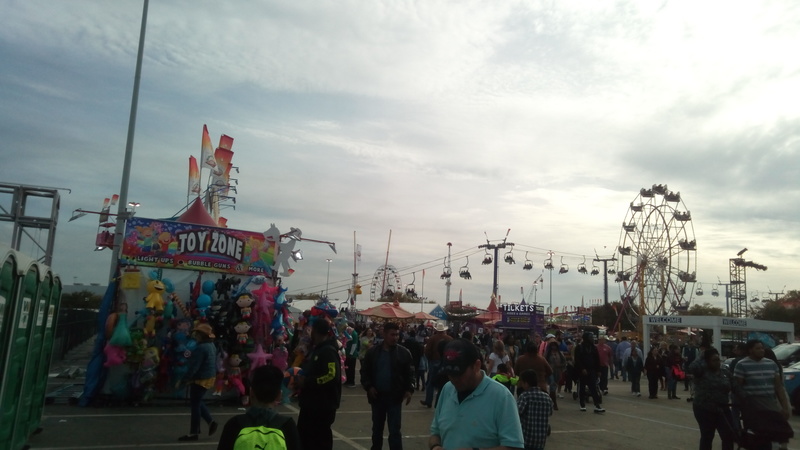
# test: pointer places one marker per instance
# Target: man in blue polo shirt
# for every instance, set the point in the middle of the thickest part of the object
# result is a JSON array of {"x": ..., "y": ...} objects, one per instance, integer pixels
[{"x": 474, "y": 411}]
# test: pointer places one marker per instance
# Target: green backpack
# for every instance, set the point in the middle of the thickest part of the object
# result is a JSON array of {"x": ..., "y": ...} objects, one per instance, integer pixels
[{"x": 262, "y": 437}]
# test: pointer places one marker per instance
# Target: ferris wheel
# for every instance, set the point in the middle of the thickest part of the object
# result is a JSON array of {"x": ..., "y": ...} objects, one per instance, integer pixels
[
  {"x": 386, "y": 278},
  {"x": 657, "y": 253}
]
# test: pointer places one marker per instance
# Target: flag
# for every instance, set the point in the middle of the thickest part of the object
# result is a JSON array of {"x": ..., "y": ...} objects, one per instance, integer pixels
[
  {"x": 460, "y": 292},
  {"x": 194, "y": 176},
  {"x": 225, "y": 142},
  {"x": 556, "y": 309},
  {"x": 223, "y": 157},
  {"x": 207, "y": 151},
  {"x": 358, "y": 252}
]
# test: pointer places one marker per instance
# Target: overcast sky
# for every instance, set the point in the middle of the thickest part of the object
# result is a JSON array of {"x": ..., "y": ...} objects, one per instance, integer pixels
[{"x": 438, "y": 120}]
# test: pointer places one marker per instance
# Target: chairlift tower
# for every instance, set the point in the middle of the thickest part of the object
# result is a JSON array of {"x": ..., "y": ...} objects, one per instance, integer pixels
[
  {"x": 738, "y": 277},
  {"x": 509, "y": 256}
]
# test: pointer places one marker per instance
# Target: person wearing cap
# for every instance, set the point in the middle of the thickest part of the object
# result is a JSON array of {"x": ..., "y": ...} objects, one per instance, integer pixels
[
  {"x": 320, "y": 388},
  {"x": 201, "y": 373},
  {"x": 474, "y": 411},
  {"x": 432, "y": 354},
  {"x": 388, "y": 377}
]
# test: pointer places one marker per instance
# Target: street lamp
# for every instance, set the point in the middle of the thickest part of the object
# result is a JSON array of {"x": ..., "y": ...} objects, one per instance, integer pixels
[
  {"x": 328, "y": 278},
  {"x": 550, "y": 267}
]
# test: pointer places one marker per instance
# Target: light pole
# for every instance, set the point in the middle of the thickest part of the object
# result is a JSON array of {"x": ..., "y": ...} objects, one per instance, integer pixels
[
  {"x": 550, "y": 259},
  {"x": 328, "y": 277}
]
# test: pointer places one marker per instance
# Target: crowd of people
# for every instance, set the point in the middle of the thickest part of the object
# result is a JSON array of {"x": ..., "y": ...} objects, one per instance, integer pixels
[{"x": 514, "y": 382}]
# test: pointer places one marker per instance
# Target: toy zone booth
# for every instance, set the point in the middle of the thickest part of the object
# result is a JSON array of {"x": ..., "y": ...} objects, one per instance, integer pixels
[{"x": 174, "y": 275}]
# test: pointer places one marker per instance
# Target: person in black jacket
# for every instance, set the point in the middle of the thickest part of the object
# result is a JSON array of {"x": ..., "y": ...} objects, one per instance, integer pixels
[
  {"x": 587, "y": 366},
  {"x": 416, "y": 349},
  {"x": 320, "y": 388},
  {"x": 388, "y": 377}
]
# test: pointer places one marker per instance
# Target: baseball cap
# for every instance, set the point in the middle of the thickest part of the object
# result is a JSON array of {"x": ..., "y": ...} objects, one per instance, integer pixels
[
  {"x": 458, "y": 355},
  {"x": 550, "y": 336}
]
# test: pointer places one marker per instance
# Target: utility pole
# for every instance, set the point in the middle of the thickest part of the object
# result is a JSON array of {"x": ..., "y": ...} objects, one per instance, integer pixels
[
  {"x": 605, "y": 262},
  {"x": 446, "y": 274},
  {"x": 496, "y": 247},
  {"x": 727, "y": 296}
]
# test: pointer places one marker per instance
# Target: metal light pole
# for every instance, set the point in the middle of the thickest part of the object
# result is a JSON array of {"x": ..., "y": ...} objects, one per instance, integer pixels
[
  {"x": 550, "y": 311},
  {"x": 122, "y": 213},
  {"x": 328, "y": 278}
]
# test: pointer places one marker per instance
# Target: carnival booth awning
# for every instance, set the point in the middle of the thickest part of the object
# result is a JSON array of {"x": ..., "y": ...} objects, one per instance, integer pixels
[
  {"x": 424, "y": 316},
  {"x": 387, "y": 311}
]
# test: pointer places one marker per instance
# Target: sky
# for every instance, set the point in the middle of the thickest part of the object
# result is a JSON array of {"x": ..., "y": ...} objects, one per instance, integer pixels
[{"x": 434, "y": 121}]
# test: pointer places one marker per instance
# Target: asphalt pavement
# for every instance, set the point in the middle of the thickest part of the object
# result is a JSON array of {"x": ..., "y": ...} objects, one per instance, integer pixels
[{"x": 629, "y": 423}]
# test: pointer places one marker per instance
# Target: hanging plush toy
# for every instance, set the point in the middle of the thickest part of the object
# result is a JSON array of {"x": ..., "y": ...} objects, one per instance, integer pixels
[
  {"x": 280, "y": 355},
  {"x": 244, "y": 303},
  {"x": 241, "y": 329},
  {"x": 221, "y": 381},
  {"x": 115, "y": 355},
  {"x": 121, "y": 336},
  {"x": 155, "y": 298},
  {"x": 258, "y": 357},
  {"x": 235, "y": 373}
]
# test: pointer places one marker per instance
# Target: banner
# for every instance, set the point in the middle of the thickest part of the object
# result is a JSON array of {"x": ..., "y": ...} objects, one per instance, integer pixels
[
  {"x": 194, "y": 176},
  {"x": 175, "y": 245},
  {"x": 207, "y": 151}
]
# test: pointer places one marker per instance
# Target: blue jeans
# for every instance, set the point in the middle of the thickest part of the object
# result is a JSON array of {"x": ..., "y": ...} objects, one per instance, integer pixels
[
  {"x": 384, "y": 409},
  {"x": 714, "y": 421},
  {"x": 433, "y": 370},
  {"x": 196, "y": 393}
]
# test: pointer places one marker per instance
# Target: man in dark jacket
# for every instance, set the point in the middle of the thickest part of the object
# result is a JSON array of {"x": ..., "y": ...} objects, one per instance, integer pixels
[
  {"x": 320, "y": 387},
  {"x": 587, "y": 366},
  {"x": 387, "y": 375},
  {"x": 416, "y": 349}
]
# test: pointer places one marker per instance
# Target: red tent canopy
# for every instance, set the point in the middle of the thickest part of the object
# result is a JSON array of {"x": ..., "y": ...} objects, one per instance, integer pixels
[
  {"x": 197, "y": 214},
  {"x": 492, "y": 313},
  {"x": 424, "y": 316}
]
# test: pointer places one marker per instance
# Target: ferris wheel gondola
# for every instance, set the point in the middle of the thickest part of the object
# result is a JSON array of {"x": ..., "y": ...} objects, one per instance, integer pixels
[{"x": 657, "y": 252}]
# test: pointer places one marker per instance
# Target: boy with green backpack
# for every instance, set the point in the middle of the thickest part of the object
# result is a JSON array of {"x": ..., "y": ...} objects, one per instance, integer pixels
[{"x": 261, "y": 427}]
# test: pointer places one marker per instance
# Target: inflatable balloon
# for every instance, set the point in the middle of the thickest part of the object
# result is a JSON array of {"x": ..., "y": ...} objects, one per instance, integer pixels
[{"x": 203, "y": 303}]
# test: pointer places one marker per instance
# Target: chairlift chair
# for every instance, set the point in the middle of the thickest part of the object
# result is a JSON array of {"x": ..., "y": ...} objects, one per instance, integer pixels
[
  {"x": 528, "y": 263},
  {"x": 463, "y": 272},
  {"x": 595, "y": 269},
  {"x": 714, "y": 292},
  {"x": 699, "y": 290},
  {"x": 410, "y": 288},
  {"x": 548, "y": 263},
  {"x": 509, "y": 257},
  {"x": 446, "y": 272},
  {"x": 487, "y": 258},
  {"x": 611, "y": 269},
  {"x": 564, "y": 268},
  {"x": 582, "y": 267}
]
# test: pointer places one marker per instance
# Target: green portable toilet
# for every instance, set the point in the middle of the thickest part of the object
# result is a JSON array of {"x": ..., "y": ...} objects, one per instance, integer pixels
[
  {"x": 48, "y": 338},
  {"x": 30, "y": 375},
  {"x": 22, "y": 320},
  {"x": 8, "y": 285}
]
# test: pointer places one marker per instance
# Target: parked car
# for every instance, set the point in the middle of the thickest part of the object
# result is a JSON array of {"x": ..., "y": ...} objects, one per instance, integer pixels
[
  {"x": 787, "y": 354},
  {"x": 791, "y": 381}
]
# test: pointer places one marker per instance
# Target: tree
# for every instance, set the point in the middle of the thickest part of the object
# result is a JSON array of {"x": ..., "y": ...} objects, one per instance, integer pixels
[
  {"x": 706, "y": 309},
  {"x": 81, "y": 299},
  {"x": 777, "y": 312}
]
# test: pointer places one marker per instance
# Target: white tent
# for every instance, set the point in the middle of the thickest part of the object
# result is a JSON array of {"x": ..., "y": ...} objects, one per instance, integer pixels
[{"x": 717, "y": 324}]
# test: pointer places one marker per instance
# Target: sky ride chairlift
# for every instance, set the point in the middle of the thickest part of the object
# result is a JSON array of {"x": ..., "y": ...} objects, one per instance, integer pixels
[
  {"x": 548, "y": 263},
  {"x": 487, "y": 258},
  {"x": 715, "y": 292},
  {"x": 528, "y": 263},
  {"x": 446, "y": 272},
  {"x": 509, "y": 256},
  {"x": 699, "y": 290},
  {"x": 595, "y": 270},
  {"x": 564, "y": 268},
  {"x": 411, "y": 290},
  {"x": 582, "y": 267},
  {"x": 463, "y": 272}
]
